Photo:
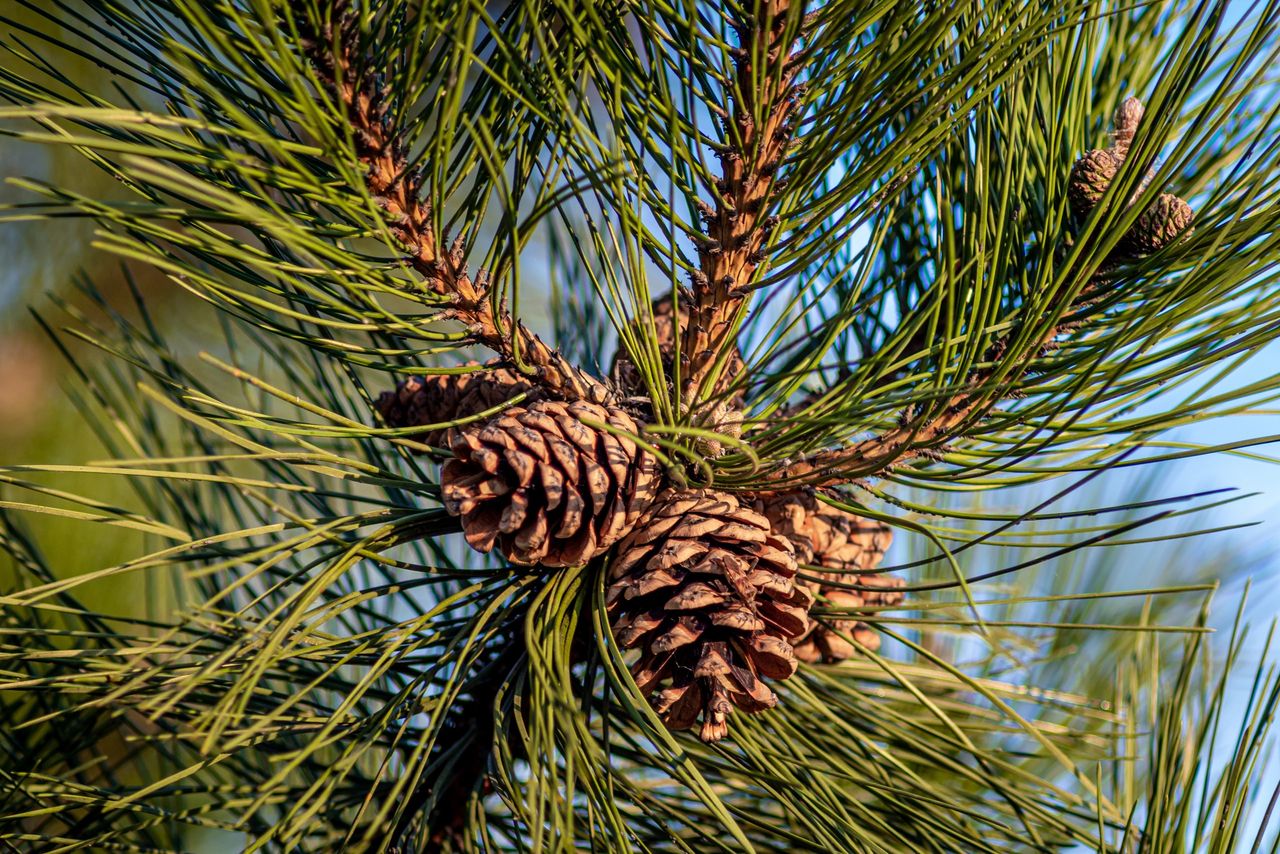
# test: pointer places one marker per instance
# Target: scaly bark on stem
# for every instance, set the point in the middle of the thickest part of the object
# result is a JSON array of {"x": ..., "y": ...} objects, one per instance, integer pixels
[
  {"x": 737, "y": 225},
  {"x": 398, "y": 191}
]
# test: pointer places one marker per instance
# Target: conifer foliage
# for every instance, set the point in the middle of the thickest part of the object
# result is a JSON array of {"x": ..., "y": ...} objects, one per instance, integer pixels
[{"x": 441, "y": 581}]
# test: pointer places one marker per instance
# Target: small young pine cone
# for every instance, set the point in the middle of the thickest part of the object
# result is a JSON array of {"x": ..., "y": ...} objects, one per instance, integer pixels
[
  {"x": 1094, "y": 171},
  {"x": 545, "y": 488},
  {"x": 1167, "y": 219},
  {"x": 1090, "y": 177},
  {"x": 1164, "y": 220},
  {"x": 420, "y": 401},
  {"x": 845, "y": 546},
  {"x": 708, "y": 594}
]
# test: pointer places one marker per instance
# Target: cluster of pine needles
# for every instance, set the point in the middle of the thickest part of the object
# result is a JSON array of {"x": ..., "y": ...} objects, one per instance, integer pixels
[{"x": 819, "y": 277}]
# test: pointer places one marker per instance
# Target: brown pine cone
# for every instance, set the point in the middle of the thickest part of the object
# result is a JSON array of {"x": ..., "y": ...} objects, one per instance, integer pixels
[
  {"x": 1090, "y": 177},
  {"x": 823, "y": 535},
  {"x": 843, "y": 545},
  {"x": 543, "y": 487},
  {"x": 419, "y": 401},
  {"x": 826, "y": 641},
  {"x": 1094, "y": 171},
  {"x": 1161, "y": 223},
  {"x": 708, "y": 594},
  {"x": 1168, "y": 218}
]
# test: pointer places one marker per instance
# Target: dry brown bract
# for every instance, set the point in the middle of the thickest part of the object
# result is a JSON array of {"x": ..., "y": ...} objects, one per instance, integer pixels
[
  {"x": 708, "y": 593},
  {"x": 543, "y": 486}
]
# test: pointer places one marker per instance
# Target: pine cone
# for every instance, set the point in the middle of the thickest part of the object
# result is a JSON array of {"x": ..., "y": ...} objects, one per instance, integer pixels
[
  {"x": 823, "y": 535},
  {"x": 1161, "y": 224},
  {"x": 1090, "y": 177},
  {"x": 543, "y": 487},
  {"x": 624, "y": 372},
  {"x": 707, "y": 593},
  {"x": 437, "y": 398},
  {"x": 844, "y": 545},
  {"x": 826, "y": 640},
  {"x": 1094, "y": 171}
]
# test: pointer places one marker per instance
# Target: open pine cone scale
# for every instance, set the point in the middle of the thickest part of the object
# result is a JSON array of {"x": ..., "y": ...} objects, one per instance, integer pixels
[{"x": 842, "y": 549}]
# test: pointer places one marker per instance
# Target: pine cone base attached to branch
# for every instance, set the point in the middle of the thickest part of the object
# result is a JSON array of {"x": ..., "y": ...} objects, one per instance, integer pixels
[
  {"x": 542, "y": 486},
  {"x": 707, "y": 593}
]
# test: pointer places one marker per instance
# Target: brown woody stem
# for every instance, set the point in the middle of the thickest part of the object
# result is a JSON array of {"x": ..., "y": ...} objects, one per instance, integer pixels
[
  {"x": 737, "y": 225},
  {"x": 397, "y": 190},
  {"x": 928, "y": 433}
]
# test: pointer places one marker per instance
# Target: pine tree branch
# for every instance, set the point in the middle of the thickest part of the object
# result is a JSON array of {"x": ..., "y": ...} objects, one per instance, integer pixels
[
  {"x": 737, "y": 226},
  {"x": 397, "y": 189},
  {"x": 928, "y": 433}
]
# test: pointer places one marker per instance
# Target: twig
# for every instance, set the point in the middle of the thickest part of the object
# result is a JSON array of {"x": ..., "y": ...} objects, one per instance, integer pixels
[
  {"x": 737, "y": 225},
  {"x": 398, "y": 191},
  {"x": 927, "y": 433}
]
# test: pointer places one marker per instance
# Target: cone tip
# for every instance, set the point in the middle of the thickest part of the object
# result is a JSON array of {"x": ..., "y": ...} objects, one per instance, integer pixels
[{"x": 1128, "y": 114}]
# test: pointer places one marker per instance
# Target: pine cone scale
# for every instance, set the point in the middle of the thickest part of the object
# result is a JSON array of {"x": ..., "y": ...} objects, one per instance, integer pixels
[
  {"x": 696, "y": 596},
  {"x": 840, "y": 547},
  {"x": 680, "y": 707},
  {"x": 683, "y": 632},
  {"x": 774, "y": 656},
  {"x": 422, "y": 401}
]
